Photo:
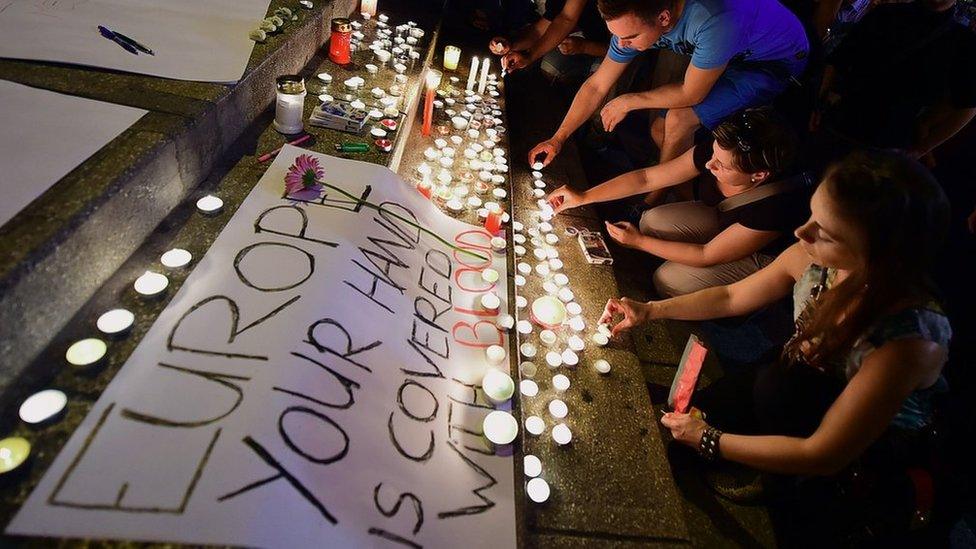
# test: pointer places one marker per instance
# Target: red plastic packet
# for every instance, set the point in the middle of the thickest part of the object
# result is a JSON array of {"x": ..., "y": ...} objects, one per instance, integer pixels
[{"x": 686, "y": 378}]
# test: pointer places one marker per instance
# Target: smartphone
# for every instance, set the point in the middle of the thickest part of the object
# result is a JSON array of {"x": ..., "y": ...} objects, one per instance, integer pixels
[{"x": 594, "y": 248}]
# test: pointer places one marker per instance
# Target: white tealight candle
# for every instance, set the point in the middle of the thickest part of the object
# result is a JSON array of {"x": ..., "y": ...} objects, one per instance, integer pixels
[
  {"x": 42, "y": 406},
  {"x": 151, "y": 284},
  {"x": 542, "y": 269},
  {"x": 86, "y": 352},
  {"x": 561, "y": 279},
  {"x": 538, "y": 193},
  {"x": 577, "y": 324},
  {"x": 576, "y": 343},
  {"x": 527, "y": 369},
  {"x": 600, "y": 339},
  {"x": 535, "y": 425},
  {"x": 574, "y": 308},
  {"x": 524, "y": 268},
  {"x": 521, "y": 302},
  {"x": 498, "y": 386},
  {"x": 601, "y": 366},
  {"x": 566, "y": 295},
  {"x": 210, "y": 204},
  {"x": 523, "y": 327},
  {"x": 500, "y": 427},
  {"x": 548, "y": 337},
  {"x": 496, "y": 354},
  {"x": 176, "y": 258},
  {"x": 519, "y": 249},
  {"x": 538, "y": 490},
  {"x": 552, "y": 239},
  {"x": 531, "y": 465},
  {"x": 528, "y": 350},
  {"x": 570, "y": 358},
  {"x": 528, "y": 388},
  {"x": 519, "y": 281},
  {"x": 538, "y": 166},
  {"x": 554, "y": 359},
  {"x": 550, "y": 287},
  {"x": 561, "y": 434},
  {"x": 115, "y": 321},
  {"x": 558, "y": 409},
  {"x": 490, "y": 302},
  {"x": 548, "y": 311},
  {"x": 560, "y": 383},
  {"x": 497, "y": 244},
  {"x": 506, "y": 322}
]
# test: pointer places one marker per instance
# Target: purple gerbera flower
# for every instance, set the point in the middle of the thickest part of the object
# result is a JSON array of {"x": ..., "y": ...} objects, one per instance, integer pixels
[{"x": 303, "y": 177}]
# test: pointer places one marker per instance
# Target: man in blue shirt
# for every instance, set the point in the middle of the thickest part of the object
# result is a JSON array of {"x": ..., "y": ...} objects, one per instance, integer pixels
[{"x": 743, "y": 54}]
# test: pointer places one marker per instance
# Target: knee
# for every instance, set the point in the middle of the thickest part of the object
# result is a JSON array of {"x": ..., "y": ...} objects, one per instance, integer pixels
[
  {"x": 657, "y": 222},
  {"x": 657, "y": 130},
  {"x": 669, "y": 280},
  {"x": 680, "y": 120}
]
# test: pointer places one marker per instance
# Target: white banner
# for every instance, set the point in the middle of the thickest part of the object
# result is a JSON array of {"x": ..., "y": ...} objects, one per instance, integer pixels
[{"x": 313, "y": 383}]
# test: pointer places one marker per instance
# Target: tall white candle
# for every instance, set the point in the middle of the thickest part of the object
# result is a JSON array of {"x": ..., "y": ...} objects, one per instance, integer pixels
[
  {"x": 483, "y": 81},
  {"x": 473, "y": 73}
]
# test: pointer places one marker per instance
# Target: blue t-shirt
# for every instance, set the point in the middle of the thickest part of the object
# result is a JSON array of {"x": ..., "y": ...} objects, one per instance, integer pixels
[{"x": 717, "y": 32}]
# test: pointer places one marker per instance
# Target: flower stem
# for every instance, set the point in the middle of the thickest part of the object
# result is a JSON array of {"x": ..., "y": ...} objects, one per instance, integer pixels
[{"x": 405, "y": 220}]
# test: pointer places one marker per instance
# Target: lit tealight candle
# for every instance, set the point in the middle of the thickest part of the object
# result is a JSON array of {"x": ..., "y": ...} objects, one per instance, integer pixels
[
  {"x": 531, "y": 464},
  {"x": 538, "y": 490},
  {"x": 554, "y": 359},
  {"x": 210, "y": 205},
  {"x": 528, "y": 388},
  {"x": 548, "y": 311},
  {"x": 506, "y": 322},
  {"x": 497, "y": 243},
  {"x": 176, "y": 258},
  {"x": 528, "y": 350},
  {"x": 14, "y": 451},
  {"x": 561, "y": 434},
  {"x": 538, "y": 166},
  {"x": 570, "y": 358},
  {"x": 490, "y": 302},
  {"x": 576, "y": 343},
  {"x": 151, "y": 284},
  {"x": 560, "y": 383},
  {"x": 490, "y": 275},
  {"x": 601, "y": 366},
  {"x": 452, "y": 54},
  {"x": 548, "y": 337},
  {"x": 115, "y": 322},
  {"x": 86, "y": 352},
  {"x": 496, "y": 354},
  {"x": 523, "y": 327},
  {"x": 527, "y": 369},
  {"x": 43, "y": 406},
  {"x": 498, "y": 386},
  {"x": 558, "y": 409},
  {"x": 500, "y": 427},
  {"x": 600, "y": 339}
]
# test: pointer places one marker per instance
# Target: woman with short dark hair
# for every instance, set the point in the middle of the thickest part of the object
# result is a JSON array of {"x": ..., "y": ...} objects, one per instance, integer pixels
[{"x": 746, "y": 204}]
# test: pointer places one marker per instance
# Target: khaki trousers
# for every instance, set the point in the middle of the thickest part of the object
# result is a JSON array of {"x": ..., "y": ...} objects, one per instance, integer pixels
[{"x": 698, "y": 223}]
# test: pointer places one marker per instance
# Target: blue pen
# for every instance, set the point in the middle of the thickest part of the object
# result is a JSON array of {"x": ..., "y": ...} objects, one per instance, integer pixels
[
  {"x": 111, "y": 36},
  {"x": 133, "y": 43}
]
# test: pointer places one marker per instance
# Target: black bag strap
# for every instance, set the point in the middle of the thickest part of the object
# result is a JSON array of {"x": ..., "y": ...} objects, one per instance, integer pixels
[{"x": 762, "y": 192}]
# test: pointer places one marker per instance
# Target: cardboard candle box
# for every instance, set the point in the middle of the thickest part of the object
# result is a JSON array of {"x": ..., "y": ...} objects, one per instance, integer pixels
[{"x": 339, "y": 115}]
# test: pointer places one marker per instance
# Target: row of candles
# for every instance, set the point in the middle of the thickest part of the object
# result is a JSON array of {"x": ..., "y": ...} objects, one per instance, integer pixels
[{"x": 445, "y": 175}]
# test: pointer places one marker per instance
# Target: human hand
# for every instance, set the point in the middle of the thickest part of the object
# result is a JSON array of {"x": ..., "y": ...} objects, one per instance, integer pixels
[
  {"x": 550, "y": 147},
  {"x": 499, "y": 45},
  {"x": 624, "y": 232},
  {"x": 615, "y": 111},
  {"x": 685, "y": 428},
  {"x": 515, "y": 60},
  {"x": 633, "y": 313},
  {"x": 564, "y": 198},
  {"x": 571, "y": 45}
]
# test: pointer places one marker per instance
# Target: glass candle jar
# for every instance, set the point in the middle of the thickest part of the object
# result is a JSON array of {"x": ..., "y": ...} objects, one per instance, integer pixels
[{"x": 290, "y": 104}]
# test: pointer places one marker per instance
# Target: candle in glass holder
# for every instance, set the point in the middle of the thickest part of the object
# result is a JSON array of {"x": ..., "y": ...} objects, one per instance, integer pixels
[
  {"x": 14, "y": 451},
  {"x": 498, "y": 386},
  {"x": 494, "y": 220},
  {"x": 367, "y": 8},
  {"x": 452, "y": 54},
  {"x": 339, "y": 41},
  {"x": 290, "y": 104}
]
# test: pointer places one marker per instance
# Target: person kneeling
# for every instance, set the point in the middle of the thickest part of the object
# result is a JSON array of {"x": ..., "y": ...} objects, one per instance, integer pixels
[
  {"x": 855, "y": 384},
  {"x": 747, "y": 204}
]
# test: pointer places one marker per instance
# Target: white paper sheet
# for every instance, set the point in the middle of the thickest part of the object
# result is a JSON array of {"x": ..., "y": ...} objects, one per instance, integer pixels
[
  {"x": 251, "y": 382},
  {"x": 45, "y": 135},
  {"x": 192, "y": 39}
]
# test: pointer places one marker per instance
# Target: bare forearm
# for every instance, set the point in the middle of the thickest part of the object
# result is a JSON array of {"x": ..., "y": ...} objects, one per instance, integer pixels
[
  {"x": 594, "y": 48},
  {"x": 559, "y": 29},
  {"x": 587, "y": 99},
  {"x": 686, "y": 253},
  {"x": 530, "y": 34},
  {"x": 668, "y": 96},
  {"x": 773, "y": 454},
  {"x": 701, "y": 305}
]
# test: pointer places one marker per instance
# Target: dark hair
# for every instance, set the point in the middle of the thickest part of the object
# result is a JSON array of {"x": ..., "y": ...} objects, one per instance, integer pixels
[
  {"x": 760, "y": 140},
  {"x": 904, "y": 214},
  {"x": 648, "y": 10}
]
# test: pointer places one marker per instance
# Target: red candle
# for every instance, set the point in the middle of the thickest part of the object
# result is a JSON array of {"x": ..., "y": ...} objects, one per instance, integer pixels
[
  {"x": 339, "y": 41},
  {"x": 494, "y": 220}
]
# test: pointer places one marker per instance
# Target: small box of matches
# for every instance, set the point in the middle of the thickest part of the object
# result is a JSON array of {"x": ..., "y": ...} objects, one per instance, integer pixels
[{"x": 339, "y": 115}]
